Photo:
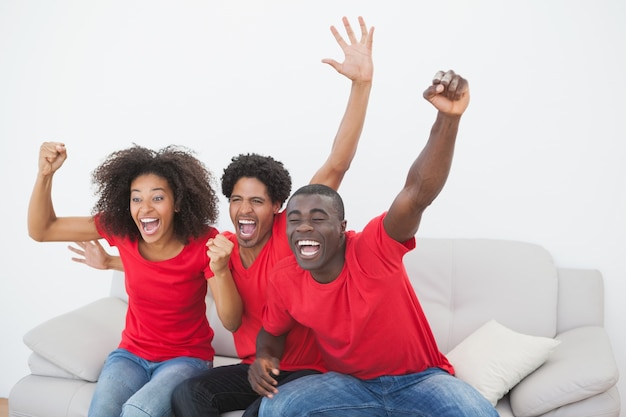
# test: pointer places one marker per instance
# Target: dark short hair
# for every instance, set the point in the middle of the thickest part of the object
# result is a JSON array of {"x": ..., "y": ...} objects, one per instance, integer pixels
[
  {"x": 321, "y": 189},
  {"x": 266, "y": 169}
]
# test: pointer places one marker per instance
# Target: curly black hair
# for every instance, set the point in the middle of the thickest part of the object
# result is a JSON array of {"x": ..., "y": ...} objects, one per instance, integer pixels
[
  {"x": 266, "y": 169},
  {"x": 191, "y": 182}
]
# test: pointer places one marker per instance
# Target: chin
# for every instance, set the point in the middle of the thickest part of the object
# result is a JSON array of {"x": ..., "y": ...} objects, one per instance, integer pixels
[
  {"x": 307, "y": 264},
  {"x": 246, "y": 243}
]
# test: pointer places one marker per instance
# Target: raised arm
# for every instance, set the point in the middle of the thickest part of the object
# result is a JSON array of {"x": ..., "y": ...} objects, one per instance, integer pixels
[
  {"x": 43, "y": 224},
  {"x": 359, "y": 68},
  {"x": 449, "y": 93}
]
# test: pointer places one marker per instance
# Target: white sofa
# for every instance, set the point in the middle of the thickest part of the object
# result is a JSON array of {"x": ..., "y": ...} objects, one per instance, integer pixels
[{"x": 462, "y": 284}]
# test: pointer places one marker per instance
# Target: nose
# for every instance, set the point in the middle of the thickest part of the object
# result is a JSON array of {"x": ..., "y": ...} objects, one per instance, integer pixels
[
  {"x": 304, "y": 227},
  {"x": 245, "y": 207},
  {"x": 145, "y": 206}
]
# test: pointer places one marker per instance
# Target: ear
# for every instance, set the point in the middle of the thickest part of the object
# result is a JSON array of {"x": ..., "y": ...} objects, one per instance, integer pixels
[
  {"x": 344, "y": 224},
  {"x": 276, "y": 207}
]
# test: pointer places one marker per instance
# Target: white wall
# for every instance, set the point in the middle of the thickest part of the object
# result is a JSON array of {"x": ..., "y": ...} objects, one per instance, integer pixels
[{"x": 540, "y": 154}]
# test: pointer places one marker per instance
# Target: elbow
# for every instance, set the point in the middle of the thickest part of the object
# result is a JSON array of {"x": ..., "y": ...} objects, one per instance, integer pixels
[
  {"x": 232, "y": 325},
  {"x": 231, "y": 320},
  {"x": 336, "y": 176},
  {"x": 37, "y": 236},
  {"x": 39, "y": 230},
  {"x": 423, "y": 194},
  {"x": 341, "y": 167}
]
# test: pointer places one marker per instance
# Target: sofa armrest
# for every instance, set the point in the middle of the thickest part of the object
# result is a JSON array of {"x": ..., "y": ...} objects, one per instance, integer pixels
[
  {"x": 79, "y": 341},
  {"x": 582, "y": 366},
  {"x": 42, "y": 367}
]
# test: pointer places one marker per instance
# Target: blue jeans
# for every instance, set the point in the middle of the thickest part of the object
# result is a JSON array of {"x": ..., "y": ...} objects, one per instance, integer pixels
[
  {"x": 431, "y": 393},
  {"x": 130, "y": 386}
]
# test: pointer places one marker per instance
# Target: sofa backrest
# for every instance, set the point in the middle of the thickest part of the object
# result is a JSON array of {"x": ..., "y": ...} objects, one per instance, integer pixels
[{"x": 463, "y": 283}]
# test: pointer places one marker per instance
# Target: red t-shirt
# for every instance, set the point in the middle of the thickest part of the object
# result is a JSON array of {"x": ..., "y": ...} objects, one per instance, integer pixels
[
  {"x": 301, "y": 352},
  {"x": 166, "y": 315},
  {"x": 368, "y": 322}
]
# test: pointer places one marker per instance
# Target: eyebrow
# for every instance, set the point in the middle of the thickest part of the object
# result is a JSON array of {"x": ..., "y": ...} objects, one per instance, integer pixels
[
  {"x": 249, "y": 198},
  {"x": 312, "y": 211},
  {"x": 132, "y": 190}
]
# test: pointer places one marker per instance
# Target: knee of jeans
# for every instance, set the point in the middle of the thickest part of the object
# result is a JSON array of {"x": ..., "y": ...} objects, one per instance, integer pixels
[
  {"x": 132, "y": 410},
  {"x": 272, "y": 407}
]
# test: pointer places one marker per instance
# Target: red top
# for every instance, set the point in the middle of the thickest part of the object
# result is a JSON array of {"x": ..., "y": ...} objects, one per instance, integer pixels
[
  {"x": 300, "y": 349},
  {"x": 166, "y": 315},
  {"x": 368, "y": 322}
]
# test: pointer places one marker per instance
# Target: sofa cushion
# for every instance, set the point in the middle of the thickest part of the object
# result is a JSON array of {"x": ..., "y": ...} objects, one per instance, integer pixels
[
  {"x": 582, "y": 367},
  {"x": 41, "y": 396},
  {"x": 494, "y": 358},
  {"x": 79, "y": 341}
]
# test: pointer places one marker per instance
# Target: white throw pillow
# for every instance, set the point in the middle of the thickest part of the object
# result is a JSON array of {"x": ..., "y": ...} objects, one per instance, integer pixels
[
  {"x": 79, "y": 341},
  {"x": 495, "y": 358}
]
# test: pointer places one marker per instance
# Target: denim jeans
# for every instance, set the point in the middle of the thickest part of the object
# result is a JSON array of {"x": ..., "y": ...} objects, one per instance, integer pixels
[
  {"x": 222, "y": 389},
  {"x": 431, "y": 393},
  {"x": 130, "y": 386}
]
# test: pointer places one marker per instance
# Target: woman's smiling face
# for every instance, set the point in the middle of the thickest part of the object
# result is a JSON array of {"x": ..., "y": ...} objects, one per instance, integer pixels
[{"x": 152, "y": 207}]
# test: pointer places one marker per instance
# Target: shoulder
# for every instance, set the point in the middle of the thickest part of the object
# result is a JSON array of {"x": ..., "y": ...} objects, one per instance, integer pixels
[
  {"x": 374, "y": 239},
  {"x": 285, "y": 270},
  {"x": 285, "y": 264},
  {"x": 208, "y": 232}
]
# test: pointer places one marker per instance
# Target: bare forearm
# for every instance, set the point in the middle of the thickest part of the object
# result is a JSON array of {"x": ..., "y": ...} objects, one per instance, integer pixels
[
  {"x": 347, "y": 138},
  {"x": 429, "y": 173},
  {"x": 40, "y": 209},
  {"x": 227, "y": 299},
  {"x": 269, "y": 346}
]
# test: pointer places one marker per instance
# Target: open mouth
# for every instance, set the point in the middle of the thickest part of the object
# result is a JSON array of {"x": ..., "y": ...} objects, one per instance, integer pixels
[
  {"x": 308, "y": 248},
  {"x": 149, "y": 225},
  {"x": 247, "y": 227}
]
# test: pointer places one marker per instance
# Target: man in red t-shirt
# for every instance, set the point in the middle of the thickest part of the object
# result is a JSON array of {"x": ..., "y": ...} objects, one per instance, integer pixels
[{"x": 352, "y": 291}]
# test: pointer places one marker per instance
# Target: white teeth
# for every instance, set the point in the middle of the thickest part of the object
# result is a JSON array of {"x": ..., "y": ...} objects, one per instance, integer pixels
[
  {"x": 148, "y": 220},
  {"x": 308, "y": 243},
  {"x": 309, "y": 248},
  {"x": 246, "y": 221}
]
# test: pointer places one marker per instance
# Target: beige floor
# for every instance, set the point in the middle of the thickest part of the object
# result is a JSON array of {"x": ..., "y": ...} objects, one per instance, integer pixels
[{"x": 4, "y": 407}]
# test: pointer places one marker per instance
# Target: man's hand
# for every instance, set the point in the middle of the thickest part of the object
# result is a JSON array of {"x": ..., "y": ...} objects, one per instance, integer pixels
[
  {"x": 260, "y": 376},
  {"x": 449, "y": 93},
  {"x": 357, "y": 64},
  {"x": 219, "y": 249},
  {"x": 51, "y": 157}
]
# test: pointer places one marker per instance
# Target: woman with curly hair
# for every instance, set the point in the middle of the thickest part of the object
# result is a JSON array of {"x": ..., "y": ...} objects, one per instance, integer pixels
[{"x": 157, "y": 208}]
